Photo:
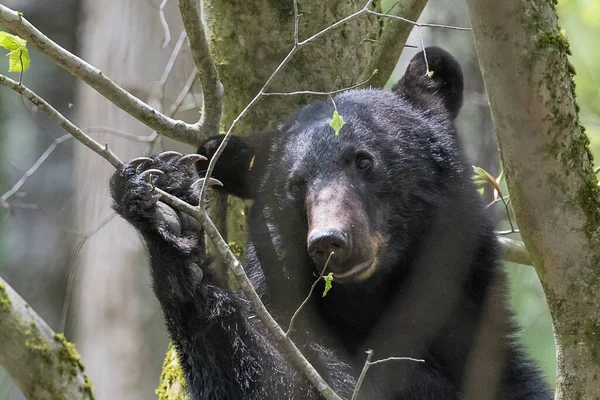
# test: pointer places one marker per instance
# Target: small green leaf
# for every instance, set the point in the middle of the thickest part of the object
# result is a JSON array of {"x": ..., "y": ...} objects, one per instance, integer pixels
[
  {"x": 482, "y": 177},
  {"x": 328, "y": 283},
  {"x": 430, "y": 74},
  {"x": 19, "y": 60},
  {"x": 337, "y": 121},
  {"x": 374, "y": 71}
]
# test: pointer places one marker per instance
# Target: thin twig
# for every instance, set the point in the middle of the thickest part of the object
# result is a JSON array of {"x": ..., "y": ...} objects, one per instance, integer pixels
[
  {"x": 507, "y": 232},
  {"x": 498, "y": 200},
  {"x": 415, "y": 23},
  {"x": 4, "y": 199},
  {"x": 369, "y": 363},
  {"x": 164, "y": 24},
  {"x": 67, "y": 125},
  {"x": 183, "y": 93},
  {"x": 396, "y": 359},
  {"x": 312, "y": 288},
  {"x": 362, "y": 375},
  {"x": 300, "y": 92},
  {"x": 512, "y": 228},
  {"x": 174, "y": 54},
  {"x": 175, "y": 129}
]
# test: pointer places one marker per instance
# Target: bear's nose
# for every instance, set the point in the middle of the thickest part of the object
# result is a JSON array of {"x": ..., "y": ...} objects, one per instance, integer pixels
[{"x": 324, "y": 242}]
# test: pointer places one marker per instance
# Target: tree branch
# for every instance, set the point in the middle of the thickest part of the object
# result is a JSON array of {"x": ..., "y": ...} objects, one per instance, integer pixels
[
  {"x": 514, "y": 251},
  {"x": 212, "y": 89},
  {"x": 42, "y": 363},
  {"x": 175, "y": 129}
]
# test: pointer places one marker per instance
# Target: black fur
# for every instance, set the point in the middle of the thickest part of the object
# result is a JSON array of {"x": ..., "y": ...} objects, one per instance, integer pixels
[{"x": 434, "y": 291}]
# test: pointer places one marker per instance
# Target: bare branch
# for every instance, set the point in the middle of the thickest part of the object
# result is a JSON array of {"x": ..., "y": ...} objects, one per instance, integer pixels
[
  {"x": 164, "y": 23},
  {"x": 316, "y": 93},
  {"x": 212, "y": 89},
  {"x": 362, "y": 375},
  {"x": 41, "y": 362},
  {"x": 368, "y": 363},
  {"x": 514, "y": 251},
  {"x": 399, "y": 18},
  {"x": 175, "y": 129},
  {"x": 174, "y": 54},
  {"x": 67, "y": 125},
  {"x": 4, "y": 199},
  {"x": 184, "y": 91}
]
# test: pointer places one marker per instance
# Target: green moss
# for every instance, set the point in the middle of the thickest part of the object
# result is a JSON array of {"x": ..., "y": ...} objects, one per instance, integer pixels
[
  {"x": 557, "y": 40},
  {"x": 36, "y": 343},
  {"x": 172, "y": 381},
  {"x": 69, "y": 363},
  {"x": 5, "y": 302},
  {"x": 68, "y": 355},
  {"x": 236, "y": 249},
  {"x": 86, "y": 388}
]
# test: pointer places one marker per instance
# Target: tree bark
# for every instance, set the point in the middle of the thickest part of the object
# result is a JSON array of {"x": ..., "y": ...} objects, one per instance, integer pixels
[{"x": 549, "y": 171}]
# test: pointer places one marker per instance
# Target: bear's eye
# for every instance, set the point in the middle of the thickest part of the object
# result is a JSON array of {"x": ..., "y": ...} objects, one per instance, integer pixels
[
  {"x": 363, "y": 161},
  {"x": 295, "y": 189}
]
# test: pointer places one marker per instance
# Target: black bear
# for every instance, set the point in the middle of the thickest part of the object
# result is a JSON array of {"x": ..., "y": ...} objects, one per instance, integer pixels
[{"x": 389, "y": 200}]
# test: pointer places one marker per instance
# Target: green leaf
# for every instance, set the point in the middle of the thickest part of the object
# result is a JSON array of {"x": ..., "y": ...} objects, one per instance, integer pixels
[
  {"x": 337, "y": 121},
  {"x": 19, "y": 59},
  {"x": 328, "y": 283},
  {"x": 430, "y": 74},
  {"x": 483, "y": 177}
]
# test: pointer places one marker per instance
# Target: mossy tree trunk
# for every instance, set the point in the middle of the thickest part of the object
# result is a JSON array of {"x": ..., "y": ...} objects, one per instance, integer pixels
[{"x": 549, "y": 170}]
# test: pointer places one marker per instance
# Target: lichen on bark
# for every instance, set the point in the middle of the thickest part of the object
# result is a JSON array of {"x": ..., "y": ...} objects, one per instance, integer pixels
[{"x": 172, "y": 381}]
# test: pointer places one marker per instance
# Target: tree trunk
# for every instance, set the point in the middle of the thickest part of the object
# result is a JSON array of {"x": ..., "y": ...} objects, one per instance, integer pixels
[
  {"x": 117, "y": 321},
  {"x": 550, "y": 175}
]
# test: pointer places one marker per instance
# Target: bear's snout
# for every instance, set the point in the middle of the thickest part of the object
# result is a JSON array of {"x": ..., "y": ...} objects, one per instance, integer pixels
[{"x": 326, "y": 243}]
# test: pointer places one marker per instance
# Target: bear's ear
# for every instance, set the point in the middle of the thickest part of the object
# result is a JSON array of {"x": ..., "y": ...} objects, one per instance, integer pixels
[
  {"x": 235, "y": 167},
  {"x": 440, "y": 90}
]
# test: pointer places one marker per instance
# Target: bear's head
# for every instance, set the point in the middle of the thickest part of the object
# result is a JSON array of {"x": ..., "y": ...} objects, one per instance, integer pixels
[{"x": 362, "y": 198}]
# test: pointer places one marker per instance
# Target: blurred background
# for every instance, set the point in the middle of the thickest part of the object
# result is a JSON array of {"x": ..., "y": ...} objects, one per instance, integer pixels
[{"x": 59, "y": 211}]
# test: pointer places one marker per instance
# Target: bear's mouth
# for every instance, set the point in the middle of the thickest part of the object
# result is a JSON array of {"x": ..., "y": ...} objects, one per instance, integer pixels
[{"x": 358, "y": 272}]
